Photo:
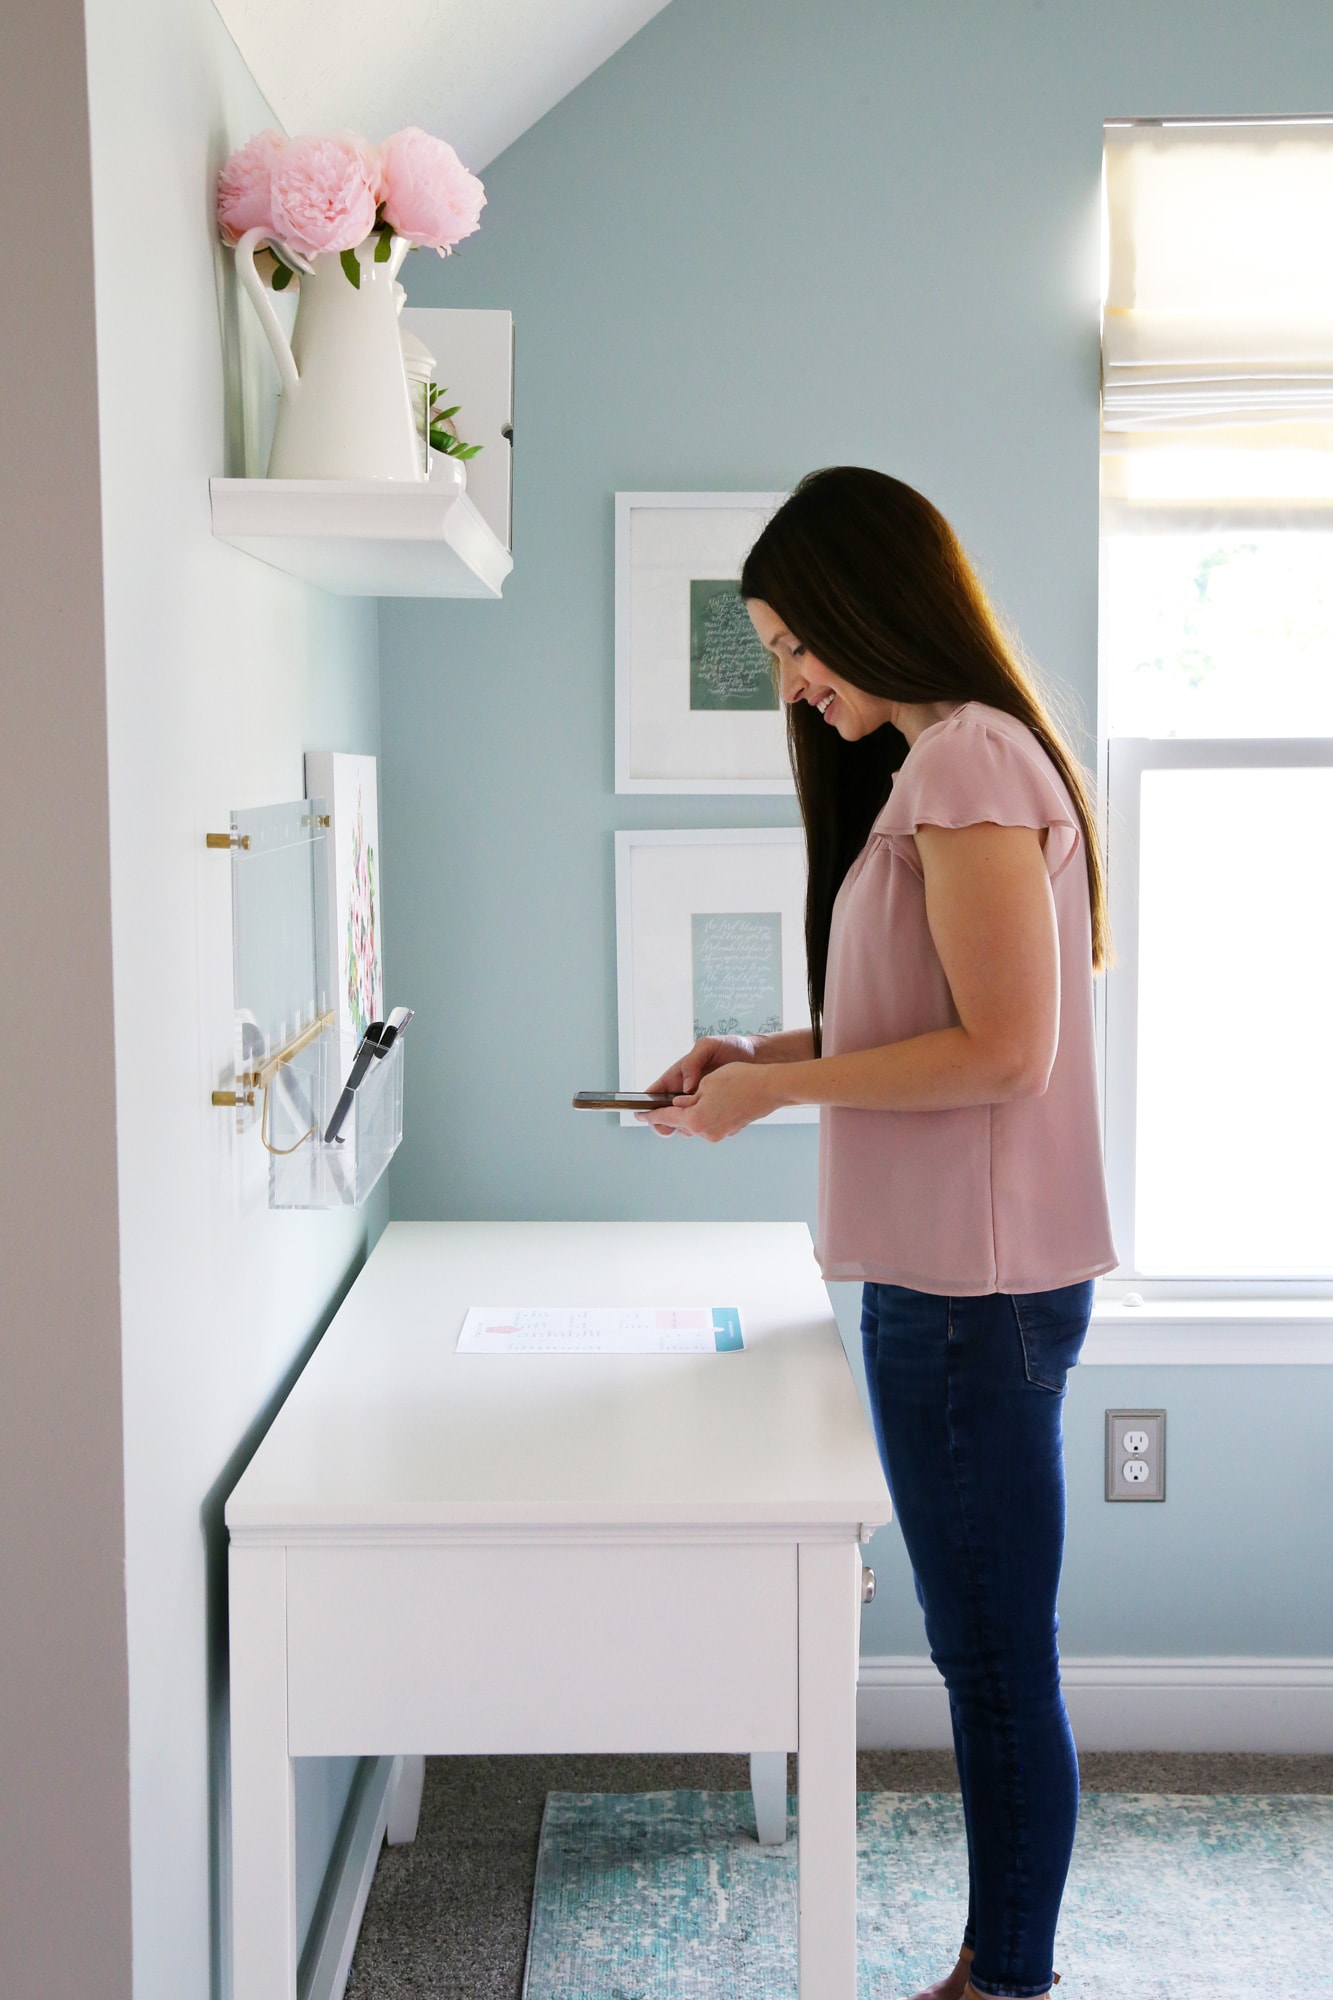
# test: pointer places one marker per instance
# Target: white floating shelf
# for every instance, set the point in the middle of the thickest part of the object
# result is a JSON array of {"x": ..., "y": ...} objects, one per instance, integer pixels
[{"x": 365, "y": 537}]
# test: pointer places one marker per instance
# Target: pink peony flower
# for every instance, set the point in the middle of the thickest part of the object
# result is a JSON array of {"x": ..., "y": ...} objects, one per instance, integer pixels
[
  {"x": 429, "y": 195},
  {"x": 325, "y": 193},
  {"x": 245, "y": 192}
]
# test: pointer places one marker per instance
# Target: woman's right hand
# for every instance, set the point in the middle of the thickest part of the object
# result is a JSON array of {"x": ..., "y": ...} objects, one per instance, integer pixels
[{"x": 709, "y": 1052}]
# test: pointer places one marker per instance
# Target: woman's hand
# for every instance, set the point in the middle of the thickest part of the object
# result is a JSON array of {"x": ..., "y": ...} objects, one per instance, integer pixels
[
  {"x": 731, "y": 1094},
  {"x": 710, "y": 1052},
  {"x": 683, "y": 1078}
]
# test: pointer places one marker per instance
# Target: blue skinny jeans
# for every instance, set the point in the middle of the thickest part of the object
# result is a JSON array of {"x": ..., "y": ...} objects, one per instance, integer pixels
[{"x": 966, "y": 1397}]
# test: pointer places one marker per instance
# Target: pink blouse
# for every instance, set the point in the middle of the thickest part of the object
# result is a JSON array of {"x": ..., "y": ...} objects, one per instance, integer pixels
[{"x": 1004, "y": 1197}]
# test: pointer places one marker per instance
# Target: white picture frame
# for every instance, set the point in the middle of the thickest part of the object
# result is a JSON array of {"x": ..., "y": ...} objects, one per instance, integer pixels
[
  {"x": 670, "y": 959},
  {"x": 680, "y": 727}
]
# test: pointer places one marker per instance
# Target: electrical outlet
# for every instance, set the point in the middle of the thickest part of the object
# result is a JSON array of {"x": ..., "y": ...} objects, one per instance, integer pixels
[{"x": 1136, "y": 1454}]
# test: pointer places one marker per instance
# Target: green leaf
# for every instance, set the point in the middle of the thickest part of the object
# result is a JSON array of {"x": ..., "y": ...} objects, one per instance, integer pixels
[
  {"x": 384, "y": 248},
  {"x": 452, "y": 447},
  {"x": 282, "y": 277},
  {"x": 351, "y": 269},
  {"x": 443, "y": 416}
]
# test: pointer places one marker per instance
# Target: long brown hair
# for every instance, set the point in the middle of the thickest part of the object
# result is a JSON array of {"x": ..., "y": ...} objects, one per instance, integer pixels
[{"x": 872, "y": 579}]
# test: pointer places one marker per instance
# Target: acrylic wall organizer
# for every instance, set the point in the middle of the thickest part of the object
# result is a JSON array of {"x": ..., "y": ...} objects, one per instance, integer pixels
[{"x": 286, "y": 1069}]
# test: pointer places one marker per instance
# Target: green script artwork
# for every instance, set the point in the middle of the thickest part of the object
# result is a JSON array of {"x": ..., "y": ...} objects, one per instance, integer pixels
[
  {"x": 729, "y": 668},
  {"x": 737, "y": 972}
]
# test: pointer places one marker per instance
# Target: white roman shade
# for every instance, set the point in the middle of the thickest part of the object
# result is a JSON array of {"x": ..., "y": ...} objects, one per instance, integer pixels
[{"x": 1219, "y": 281}]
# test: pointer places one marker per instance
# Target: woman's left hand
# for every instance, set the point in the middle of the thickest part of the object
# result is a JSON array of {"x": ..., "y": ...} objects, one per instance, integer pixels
[{"x": 727, "y": 1100}]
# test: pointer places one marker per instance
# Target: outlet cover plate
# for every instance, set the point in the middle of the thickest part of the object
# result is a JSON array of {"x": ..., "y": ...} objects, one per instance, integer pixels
[{"x": 1136, "y": 1439}]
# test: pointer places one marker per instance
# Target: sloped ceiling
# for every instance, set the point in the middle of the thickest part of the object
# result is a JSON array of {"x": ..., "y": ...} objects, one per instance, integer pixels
[{"x": 474, "y": 72}]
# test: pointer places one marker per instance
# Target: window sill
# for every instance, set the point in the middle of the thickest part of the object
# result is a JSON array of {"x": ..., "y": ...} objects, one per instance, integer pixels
[{"x": 1211, "y": 1333}]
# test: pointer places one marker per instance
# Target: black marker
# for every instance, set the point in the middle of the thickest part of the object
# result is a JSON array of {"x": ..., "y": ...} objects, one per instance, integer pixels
[
  {"x": 392, "y": 1029},
  {"x": 361, "y": 1062}
]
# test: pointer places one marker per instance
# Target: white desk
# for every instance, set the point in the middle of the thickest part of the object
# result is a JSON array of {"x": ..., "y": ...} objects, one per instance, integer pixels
[{"x": 434, "y": 1552}]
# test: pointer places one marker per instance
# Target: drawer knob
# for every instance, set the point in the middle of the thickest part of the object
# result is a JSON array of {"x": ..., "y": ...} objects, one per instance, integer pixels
[{"x": 867, "y": 1585}]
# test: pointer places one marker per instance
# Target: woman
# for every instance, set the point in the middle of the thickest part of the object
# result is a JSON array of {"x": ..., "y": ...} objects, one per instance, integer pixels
[{"x": 955, "y": 915}]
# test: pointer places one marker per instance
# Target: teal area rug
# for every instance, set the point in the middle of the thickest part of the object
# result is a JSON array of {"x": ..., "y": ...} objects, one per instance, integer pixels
[{"x": 668, "y": 1896}]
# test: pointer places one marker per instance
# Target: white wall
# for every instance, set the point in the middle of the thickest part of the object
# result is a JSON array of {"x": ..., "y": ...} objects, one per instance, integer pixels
[{"x": 220, "y": 673}]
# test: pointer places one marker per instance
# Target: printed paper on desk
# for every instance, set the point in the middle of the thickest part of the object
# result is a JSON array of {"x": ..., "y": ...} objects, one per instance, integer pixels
[{"x": 601, "y": 1330}]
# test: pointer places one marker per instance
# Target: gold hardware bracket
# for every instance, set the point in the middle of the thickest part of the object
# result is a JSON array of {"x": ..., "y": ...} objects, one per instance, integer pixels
[
  {"x": 259, "y": 1079},
  {"x": 282, "y": 1152},
  {"x": 227, "y": 840},
  {"x": 317, "y": 819},
  {"x": 251, "y": 1081}
]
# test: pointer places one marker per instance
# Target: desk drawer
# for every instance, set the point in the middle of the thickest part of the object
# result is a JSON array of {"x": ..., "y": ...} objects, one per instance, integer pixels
[{"x": 550, "y": 1647}]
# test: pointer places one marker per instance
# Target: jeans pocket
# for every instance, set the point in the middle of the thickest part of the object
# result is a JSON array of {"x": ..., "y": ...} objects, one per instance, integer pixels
[{"x": 1052, "y": 1327}]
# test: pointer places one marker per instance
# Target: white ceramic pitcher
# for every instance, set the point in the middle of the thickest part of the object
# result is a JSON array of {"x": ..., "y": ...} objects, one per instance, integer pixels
[{"x": 344, "y": 411}]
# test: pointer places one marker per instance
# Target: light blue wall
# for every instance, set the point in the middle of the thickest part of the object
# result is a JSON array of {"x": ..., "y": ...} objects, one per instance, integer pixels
[
  {"x": 763, "y": 238},
  {"x": 1238, "y": 1559}
]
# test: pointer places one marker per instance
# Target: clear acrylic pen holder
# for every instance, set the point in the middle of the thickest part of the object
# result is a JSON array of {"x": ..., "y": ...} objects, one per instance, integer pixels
[
  {"x": 288, "y": 1065},
  {"x": 306, "y": 1170}
]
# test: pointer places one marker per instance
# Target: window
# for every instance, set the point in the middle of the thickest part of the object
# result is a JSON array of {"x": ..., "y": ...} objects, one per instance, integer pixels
[{"x": 1217, "y": 704}]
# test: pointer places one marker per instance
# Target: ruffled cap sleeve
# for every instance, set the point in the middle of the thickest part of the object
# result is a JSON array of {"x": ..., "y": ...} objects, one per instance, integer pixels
[{"x": 981, "y": 767}]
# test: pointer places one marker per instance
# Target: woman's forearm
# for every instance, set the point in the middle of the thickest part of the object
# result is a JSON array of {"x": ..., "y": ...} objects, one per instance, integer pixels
[
  {"x": 941, "y": 1071},
  {"x": 795, "y": 1045}
]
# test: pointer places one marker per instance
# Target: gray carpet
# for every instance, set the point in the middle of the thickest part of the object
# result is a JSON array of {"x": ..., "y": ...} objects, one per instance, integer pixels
[{"x": 448, "y": 1916}]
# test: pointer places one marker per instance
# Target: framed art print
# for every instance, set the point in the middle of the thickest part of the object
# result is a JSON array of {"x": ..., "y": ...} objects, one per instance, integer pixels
[
  {"x": 348, "y": 784},
  {"x": 710, "y": 940},
  {"x": 697, "y": 708}
]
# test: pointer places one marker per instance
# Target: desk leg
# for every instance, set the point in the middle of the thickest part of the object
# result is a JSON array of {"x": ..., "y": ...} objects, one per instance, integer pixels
[
  {"x": 768, "y": 1789},
  {"x": 828, "y": 1581},
  {"x": 263, "y": 1788},
  {"x": 405, "y": 1801}
]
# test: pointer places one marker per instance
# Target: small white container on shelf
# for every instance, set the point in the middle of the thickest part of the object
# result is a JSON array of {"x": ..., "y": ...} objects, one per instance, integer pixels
[{"x": 474, "y": 367}]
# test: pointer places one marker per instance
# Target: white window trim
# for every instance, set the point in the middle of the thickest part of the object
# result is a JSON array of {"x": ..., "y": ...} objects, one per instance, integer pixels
[
  {"x": 1174, "y": 1321},
  {"x": 1207, "y": 1333},
  {"x": 1136, "y": 1320}
]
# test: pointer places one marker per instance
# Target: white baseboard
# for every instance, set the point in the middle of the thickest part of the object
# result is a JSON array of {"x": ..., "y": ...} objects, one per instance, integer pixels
[
  {"x": 1271, "y": 1705},
  {"x": 327, "y": 1958}
]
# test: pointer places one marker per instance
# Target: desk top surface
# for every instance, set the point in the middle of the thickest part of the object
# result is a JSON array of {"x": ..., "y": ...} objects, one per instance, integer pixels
[{"x": 390, "y": 1429}]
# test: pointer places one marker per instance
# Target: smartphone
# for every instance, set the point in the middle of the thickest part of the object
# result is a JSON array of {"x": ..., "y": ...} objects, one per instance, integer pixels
[{"x": 622, "y": 1100}]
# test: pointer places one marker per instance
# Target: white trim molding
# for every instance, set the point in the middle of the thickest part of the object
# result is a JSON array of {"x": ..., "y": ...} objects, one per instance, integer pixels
[
  {"x": 1267, "y": 1705},
  {"x": 1209, "y": 1333},
  {"x": 327, "y": 1958}
]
